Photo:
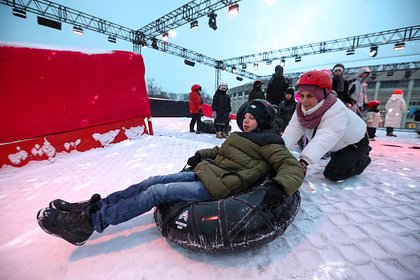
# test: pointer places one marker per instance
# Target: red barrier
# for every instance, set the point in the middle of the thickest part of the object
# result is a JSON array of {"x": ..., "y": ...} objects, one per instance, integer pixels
[{"x": 45, "y": 93}]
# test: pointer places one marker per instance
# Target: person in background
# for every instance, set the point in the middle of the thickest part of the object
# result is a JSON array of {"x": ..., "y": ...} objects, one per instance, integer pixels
[
  {"x": 277, "y": 85},
  {"x": 395, "y": 108},
  {"x": 196, "y": 112},
  {"x": 247, "y": 157},
  {"x": 256, "y": 92},
  {"x": 221, "y": 110},
  {"x": 339, "y": 84},
  {"x": 374, "y": 119},
  {"x": 358, "y": 88},
  {"x": 329, "y": 126},
  {"x": 286, "y": 109}
]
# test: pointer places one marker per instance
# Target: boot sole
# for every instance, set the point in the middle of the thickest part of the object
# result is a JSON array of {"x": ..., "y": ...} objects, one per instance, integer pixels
[{"x": 41, "y": 220}]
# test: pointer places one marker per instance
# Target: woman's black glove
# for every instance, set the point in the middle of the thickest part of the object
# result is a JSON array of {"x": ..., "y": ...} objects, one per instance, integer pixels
[
  {"x": 194, "y": 160},
  {"x": 304, "y": 166},
  {"x": 274, "y": 195}
]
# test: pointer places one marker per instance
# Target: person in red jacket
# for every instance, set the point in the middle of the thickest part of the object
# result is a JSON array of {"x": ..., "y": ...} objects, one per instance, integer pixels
[{"x": 195, "y": 108}]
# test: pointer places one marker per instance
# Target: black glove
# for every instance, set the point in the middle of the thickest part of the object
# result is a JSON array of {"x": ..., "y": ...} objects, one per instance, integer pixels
[
  {"x": 274, "y": 195},
  {"x": 194, "y": 160},
  {"x": 365, "y": 107},
  {"x": 304, "y": 166}
]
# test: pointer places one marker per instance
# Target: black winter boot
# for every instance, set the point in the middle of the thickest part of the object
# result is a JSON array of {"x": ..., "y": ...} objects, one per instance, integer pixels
[
  {"x": 65, "y": 206},
  {"x": 74, "y": 227}
]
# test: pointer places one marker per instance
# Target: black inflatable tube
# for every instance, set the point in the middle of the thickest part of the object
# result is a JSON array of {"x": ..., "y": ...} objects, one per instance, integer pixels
[{"x": 226, "y": 225}]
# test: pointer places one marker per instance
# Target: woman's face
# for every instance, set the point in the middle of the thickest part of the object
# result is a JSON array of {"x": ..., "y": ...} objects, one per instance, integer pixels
[
  {"x": 308, "y": 100},
  {"x": 249, "y": 123}
]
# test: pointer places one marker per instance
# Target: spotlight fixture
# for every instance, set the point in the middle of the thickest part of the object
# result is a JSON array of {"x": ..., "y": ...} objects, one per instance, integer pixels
[
  {"x": 49, "y": 23},
  {"x": 399, "y": 46},
  {"x": 155, "y": 44},
  {"x": 19, "y": 12},
  {"x": 239, "y": 79},
  {"x": 143, "y": 43},
  {"x": 233, "y": 69},
  {"x": 350, "y": 52},
  {"x": 112, "y": 39},
  {"x": 282, "y": 62},
  {"x": 298, "y": 58},
  {"x": 244, "y": 66},
  {"x": 189, "y": 62},
  {"x": 77, "y": 30},
  {"x": 233, "y": 9},
  {"x": 373, "y": 51},
  {"x": 165, "y": 36},
  {"x": 407, "y": 74},
  {"x": 194, "y": 24},
  {"x": 255, "y": 66},
  {"x": 212, "y": 21},
  {"x": 373, "y": 76}
]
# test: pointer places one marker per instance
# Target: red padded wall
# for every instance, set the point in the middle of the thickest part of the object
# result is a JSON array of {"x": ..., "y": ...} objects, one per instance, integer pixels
[{"x": 45, "y": 92}]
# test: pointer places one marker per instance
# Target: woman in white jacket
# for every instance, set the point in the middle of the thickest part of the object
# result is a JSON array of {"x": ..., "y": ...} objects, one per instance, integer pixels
[
  {"x": 395, "y": 108},
  {"x": 330, "y": 127}
]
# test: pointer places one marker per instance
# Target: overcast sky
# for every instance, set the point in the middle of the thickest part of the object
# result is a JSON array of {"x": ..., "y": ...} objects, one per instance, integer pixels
[{"x": 259, "y": 27}]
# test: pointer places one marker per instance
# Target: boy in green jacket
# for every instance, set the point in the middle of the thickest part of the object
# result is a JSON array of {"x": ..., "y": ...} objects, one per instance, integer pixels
[{"x": 244, "y": 159}]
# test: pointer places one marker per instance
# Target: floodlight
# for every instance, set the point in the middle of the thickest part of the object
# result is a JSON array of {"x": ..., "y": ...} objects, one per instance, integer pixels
[
  {"x": 155, "y": 44},
  {"x": 49, "y": 23},
  {"x": 233, "y": 9},
  {"x": 77, "y": 30},
  {"x": 194, "y": 24},
  {"x": 350, "y": 52},
  {"x": 212, "y": 21},
  {"x": 112, "y": 39},
  {"x": 399, "y": 46},
  {"x": 19, "y": 12},
  {"x": 189, "y": 63},
  {"x": 373, "y": 51}
]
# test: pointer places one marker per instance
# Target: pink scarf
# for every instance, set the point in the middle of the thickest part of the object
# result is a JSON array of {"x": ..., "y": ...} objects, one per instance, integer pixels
[{"x": 313, "y": 120}]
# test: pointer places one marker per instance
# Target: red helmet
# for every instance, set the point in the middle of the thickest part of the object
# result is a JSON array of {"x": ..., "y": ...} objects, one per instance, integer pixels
[
  {"x": 373, "y": 103},
  {"x": 318, "y": 78},
  {"x": 195, "y": 87},
  {"x": 398, "y": 91}
]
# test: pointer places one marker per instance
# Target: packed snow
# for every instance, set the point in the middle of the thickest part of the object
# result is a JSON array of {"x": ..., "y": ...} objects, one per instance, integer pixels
[{"x": 365, "y": 227}]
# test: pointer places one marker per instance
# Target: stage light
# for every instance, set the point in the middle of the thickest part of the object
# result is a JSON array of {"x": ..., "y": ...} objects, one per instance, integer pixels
[
  {"x": 239, "y": 78},
  {"x": 233, "y": 9},
  {"x": 112, "y": 39},
  {"x": 77, "y": 30},
  {"x": 407, "y": 74},
  {"x": 244, "y": 66},
  {"x": 143, "y": 43},
  {"x": 282, "y": 62},
  {"x": 189, "y": 63},
  {"x": 255, "y": 66},
  {"x": 269, "y": 62},
  {"x": 165, "y": 36},
  {"x": 373, "y": 76},
  {"x": 155, "y": 44},
  {"x": 298, "y": 58},
  {"x": 373, "y": 51},
  {"x": 233, "y": 69},
  {"x": 399, "y": 46},
  {"x": 19, "y": 12},
  {"x": 194, "y": 24},
  {"x": 49, "y": 23},
  {"x": 212, "y": 21},
  {"x": 350, "y": 52}
]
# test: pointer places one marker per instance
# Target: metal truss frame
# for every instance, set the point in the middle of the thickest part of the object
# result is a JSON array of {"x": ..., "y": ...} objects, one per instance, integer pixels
[{"x": 194, "y": 10}]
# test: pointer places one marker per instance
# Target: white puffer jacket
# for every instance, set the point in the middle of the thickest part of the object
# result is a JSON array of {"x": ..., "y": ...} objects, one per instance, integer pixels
[
  {"x": 339, "y": 127},
  {"x": 395, "y": 108}
]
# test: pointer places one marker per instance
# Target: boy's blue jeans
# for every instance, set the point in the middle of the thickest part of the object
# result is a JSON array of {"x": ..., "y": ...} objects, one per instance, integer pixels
[{"x": 137, "y": 199}]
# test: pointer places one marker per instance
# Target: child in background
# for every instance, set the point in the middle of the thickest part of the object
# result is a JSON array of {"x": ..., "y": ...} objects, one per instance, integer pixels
[{"x": 374, "y": 119}]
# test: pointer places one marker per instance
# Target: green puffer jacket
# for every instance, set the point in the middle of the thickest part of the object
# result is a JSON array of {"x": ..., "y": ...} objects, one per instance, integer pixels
[{"x": 246, "y": 158}]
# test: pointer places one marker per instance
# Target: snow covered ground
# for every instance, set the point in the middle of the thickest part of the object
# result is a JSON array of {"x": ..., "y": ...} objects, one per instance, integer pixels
[{"x": 366, "y": 227}]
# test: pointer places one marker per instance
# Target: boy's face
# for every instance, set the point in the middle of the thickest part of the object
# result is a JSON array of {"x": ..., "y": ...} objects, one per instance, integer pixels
[
  {"x": 288, "y": 96},
  {"x": 249, "y": 123}
]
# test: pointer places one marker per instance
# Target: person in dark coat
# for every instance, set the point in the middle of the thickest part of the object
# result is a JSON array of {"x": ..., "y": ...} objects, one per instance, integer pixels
[
  {"x": 341, "y": 85},
  {"x": 277, "y": 85},
  {"x": 247, "y": 157},
  {"x": 196, "y": 112},
  {"x": 286, "y": 109},
  {"x": 256, "y": 92},
  {"x": 221, "y": 110}
]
